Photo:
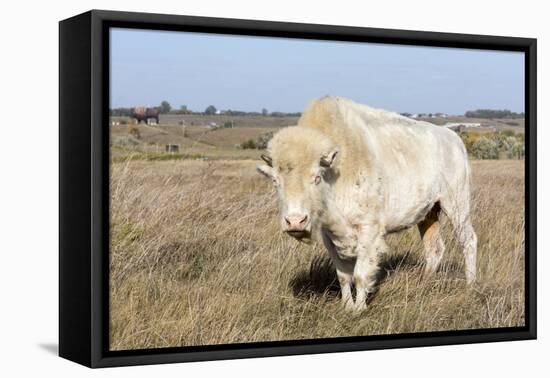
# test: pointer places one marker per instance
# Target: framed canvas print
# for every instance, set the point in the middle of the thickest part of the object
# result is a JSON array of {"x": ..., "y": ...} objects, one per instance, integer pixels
[{"x": 234, "y": 188}]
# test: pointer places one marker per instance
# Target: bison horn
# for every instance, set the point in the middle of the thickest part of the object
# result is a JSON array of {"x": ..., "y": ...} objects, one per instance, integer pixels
[
  {"x": 267, "y": 160},
  {"x": 327, "y": 160}
]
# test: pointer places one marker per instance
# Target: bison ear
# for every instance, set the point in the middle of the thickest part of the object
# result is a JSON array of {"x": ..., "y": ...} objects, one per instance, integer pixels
[
  {"x": 265, "y": 170},
  {"x": 327, "y": 160},
  {"x": 267, "y": 160}
]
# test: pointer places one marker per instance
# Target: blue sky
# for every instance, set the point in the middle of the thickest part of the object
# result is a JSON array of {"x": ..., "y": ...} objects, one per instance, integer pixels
[{"x": 251, "y": 73}]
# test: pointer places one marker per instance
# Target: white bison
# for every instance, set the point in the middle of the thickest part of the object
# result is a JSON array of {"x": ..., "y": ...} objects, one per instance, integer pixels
[{"x": 353, "y": 174}]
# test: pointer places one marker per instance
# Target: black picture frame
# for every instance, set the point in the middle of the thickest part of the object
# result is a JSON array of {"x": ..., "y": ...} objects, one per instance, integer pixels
[{"x": 84, "y": 193}]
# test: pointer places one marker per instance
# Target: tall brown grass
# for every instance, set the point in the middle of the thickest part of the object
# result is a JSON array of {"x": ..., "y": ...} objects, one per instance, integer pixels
[{"x": 197, "y": 258}]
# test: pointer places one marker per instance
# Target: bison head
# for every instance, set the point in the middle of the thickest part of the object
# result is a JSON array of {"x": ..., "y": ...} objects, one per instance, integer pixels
[{"x": 301, "y": 163}]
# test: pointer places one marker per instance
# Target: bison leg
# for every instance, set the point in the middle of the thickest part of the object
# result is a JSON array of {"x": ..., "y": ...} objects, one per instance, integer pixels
[
  {"x": 345, "y": 280},
  {"x": 431, "y": 237},
  {"x": 468, "y": 241},
  {"x": 366, "y": 269},
  {"x": 459, "y": 215},
  {"x": 344, "y": 271}
]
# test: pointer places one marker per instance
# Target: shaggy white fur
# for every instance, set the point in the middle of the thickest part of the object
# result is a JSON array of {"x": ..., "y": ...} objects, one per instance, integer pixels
[{"x": 353, "y": 174}]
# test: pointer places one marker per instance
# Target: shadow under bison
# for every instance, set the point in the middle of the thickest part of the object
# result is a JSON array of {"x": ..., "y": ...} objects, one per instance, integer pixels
[{"x": 321, "y": 280}]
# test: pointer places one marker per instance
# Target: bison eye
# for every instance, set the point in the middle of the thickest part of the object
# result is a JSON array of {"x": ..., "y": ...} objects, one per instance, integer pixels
[{"x": 317, "y": 179}]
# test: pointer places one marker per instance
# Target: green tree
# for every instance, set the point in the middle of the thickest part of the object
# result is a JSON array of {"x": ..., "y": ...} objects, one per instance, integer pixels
[
  {"x": 493, "y": 113},
  {"x": 211, "y": 109},
  {"x": 264, "y": 112},
  {"x": 165, "y": 107},
  {"x": 183, "y": 107}
]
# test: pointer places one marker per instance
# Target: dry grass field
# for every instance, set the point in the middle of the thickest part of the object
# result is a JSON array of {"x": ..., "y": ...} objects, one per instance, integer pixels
[
  {"x": 198, "y": 140},
  {"x": 198, "y": 258},
  {"x": 239, "y": 121},
  {"x": 194, "y": 142}
]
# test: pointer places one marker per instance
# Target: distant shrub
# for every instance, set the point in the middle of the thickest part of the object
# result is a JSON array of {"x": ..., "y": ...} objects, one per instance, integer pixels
[
  {"x": 133, "y": 130},
  {"x": 258, "y": 144},
  {"x": 249, "y": 145},
  {"x": 508, "y": 143},
  {"x": 514, "y": 148},
  {"x": 518, "y": 150},
  {"x": 469, "y": 138},
  {"x": 263, "y": 140},
  {"x": 485, "y": 148},
  {"x": 229, "y": 124},
  {"x": 520, "y": 137},
  {"x": 508, "y": 132},
  {"x": 493, "y": 145},
  {"x": 500, "y": 139}
]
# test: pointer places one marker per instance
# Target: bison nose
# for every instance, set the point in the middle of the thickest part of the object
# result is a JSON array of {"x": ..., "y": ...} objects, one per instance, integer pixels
[{"x": 296, "y": 222}]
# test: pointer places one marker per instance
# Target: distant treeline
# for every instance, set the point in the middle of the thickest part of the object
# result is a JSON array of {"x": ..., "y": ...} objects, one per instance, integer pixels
[
  {"x": 127, "y": 112},
  {"x": 490, "y": 113},
  {"x": 264, "y": 113},
  {"x": 121, "y": 112}
]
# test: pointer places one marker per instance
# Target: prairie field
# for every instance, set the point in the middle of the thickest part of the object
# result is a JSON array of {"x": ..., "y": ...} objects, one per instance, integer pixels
[{"x": 198, "y": 258}]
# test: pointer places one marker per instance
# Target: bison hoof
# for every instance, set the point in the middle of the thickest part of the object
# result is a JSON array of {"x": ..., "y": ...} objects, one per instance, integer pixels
[
  {"x": 360, "y": 307},
  {"x": 349, "y": 306},
  {"x": 355, "y": 308}
]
